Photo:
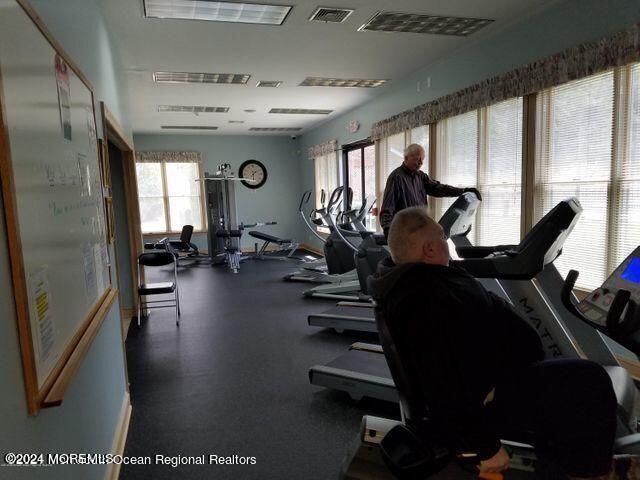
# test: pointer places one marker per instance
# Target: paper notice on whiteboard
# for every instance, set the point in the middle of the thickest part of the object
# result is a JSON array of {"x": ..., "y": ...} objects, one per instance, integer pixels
[
  {"x": 89, "y": 265},
  {"x": 42, "y": 318}
]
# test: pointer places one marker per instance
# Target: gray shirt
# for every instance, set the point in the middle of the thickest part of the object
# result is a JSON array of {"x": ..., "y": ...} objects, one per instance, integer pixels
[{"x": 405, "y": 189}]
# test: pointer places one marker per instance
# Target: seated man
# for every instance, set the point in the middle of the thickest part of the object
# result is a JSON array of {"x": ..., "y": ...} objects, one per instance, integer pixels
[{"x": 480, "y": 363}]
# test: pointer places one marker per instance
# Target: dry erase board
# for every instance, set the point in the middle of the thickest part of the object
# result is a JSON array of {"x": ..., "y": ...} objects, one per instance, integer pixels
[{"x": 53, "y": 196}]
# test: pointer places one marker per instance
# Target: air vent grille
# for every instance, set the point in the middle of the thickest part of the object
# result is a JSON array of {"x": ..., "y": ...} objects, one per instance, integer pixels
[
  {"x": 187, "y": 127},
  {"x": 191, "y": 109},
  {"x": 333, "y": 15},
  {"x": 192, "y": 77},
  {"x": 269, "y": 83},
  {"x": 275, "y": 129},
  {"x": 236, "y": 121},
  {"x": 341, "y": 82},
  {"x": 302, "y": 111},
  {"x": 418, "y": 23}
]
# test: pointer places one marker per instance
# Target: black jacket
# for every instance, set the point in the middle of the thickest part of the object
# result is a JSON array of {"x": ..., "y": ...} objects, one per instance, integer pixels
[
  {"x": 460, "y": 342},
  {"x": 405, "y": 188}
]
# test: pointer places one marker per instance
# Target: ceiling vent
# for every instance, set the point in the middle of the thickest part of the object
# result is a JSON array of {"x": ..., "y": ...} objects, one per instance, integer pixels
[
  {"x": 191, "y": 109},
  {"x": 275, "y": 129},
  {"x": 269, "y": 83},
  {"x": 302, "y": 111},
  {"x": 191, "y": 77},
  {"x": 187, "y": 127},
  {"x": 418, "y": 23},
  {"x": 332, "y": 15},
  {"x": 236, "y": 121},
  {"x": 341, "y": 82}
]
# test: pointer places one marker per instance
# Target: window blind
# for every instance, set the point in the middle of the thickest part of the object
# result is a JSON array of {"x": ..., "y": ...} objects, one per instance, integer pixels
[
  {"x": 500, "y": 174},
  {"x": 625, "y": 218},
  {"x": 574, "y": 140},
  {"x": 457, "y": 156},
  {"x": 325, "y": 175},
  {"x": 420, "y": 135}
]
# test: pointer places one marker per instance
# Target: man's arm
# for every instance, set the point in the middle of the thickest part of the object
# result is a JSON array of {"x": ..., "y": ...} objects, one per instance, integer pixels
[{"x": 437, "y": 189}]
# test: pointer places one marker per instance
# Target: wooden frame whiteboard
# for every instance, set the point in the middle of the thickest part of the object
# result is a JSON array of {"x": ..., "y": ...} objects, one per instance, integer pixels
[{"x": 53, "y": 198}]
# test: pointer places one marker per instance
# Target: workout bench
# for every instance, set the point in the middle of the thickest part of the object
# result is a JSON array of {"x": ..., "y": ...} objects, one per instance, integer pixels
[{"x": 284, "y": 244}]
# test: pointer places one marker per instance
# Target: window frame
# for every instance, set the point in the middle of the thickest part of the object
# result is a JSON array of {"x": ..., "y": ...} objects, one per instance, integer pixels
[
  {"x": 165, "y": 200},
  {"x": 346, "y": 149}
]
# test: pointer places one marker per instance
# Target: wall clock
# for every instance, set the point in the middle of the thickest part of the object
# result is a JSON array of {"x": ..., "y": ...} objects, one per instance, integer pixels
[
  {"x": 353, "y": 126},
  {"x": 254, "y": 173}
]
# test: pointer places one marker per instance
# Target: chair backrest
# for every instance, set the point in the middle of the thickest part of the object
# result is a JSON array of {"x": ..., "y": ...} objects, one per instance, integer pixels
[
  {"x": 413, "y": 404},
  {"x": 156, "y": 259},
  {"x": 187, "y": 232}
]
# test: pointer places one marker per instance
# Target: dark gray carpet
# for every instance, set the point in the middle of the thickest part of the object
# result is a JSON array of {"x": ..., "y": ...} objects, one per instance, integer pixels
[{"x": 232, "y": 380}]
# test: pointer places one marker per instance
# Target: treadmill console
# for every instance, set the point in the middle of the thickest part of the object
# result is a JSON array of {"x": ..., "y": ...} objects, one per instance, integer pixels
[{"x": 626, "y": 277}]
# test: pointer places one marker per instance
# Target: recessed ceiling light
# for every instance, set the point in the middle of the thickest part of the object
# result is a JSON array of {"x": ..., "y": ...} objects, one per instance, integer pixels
[
  {"x": 236, "y": 121},
  {"x": 263, "y": 14},
  {"x": 418, "y": 23},
  {"x": 333, "y": 15},
  {"x": 269, "y": 83},
  {"x": 250, "y": 111},
  {"x": 191, "y": 109},
  {"x": 187, "y": 127},
  {"x": 341, "y": 82},
  {"x": 275, "y": 129},
  {"x": 303, "y": 111},
  {"x": 192, "y": 77}
]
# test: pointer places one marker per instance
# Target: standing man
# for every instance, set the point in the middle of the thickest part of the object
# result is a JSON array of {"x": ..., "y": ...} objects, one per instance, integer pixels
[{"x": 408, "y": 186}]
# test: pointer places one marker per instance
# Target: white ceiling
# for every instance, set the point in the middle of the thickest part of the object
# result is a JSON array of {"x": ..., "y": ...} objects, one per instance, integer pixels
[{"x": 289, "y": 53}]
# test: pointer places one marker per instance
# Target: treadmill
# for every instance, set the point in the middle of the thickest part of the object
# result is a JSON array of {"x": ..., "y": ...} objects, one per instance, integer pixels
[
  {"x": 524, "y": 271},
  {"x": 358, "y": 316}
]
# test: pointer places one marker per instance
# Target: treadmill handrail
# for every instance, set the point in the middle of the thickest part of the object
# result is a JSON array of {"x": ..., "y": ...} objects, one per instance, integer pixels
[{"x": 540, "y": 247}]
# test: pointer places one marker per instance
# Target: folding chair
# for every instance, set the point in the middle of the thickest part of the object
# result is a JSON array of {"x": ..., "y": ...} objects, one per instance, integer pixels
[{"x": 158, "y": 259}]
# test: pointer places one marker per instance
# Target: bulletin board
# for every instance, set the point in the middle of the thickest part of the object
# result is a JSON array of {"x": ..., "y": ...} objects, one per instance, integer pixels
[{"x": 54, "y": 208}]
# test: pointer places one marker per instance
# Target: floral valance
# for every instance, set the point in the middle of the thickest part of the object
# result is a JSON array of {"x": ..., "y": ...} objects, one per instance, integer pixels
[
  {"x": 162, "y": 156},
  {"x": 323, "y": 149},
  {"x": 577, "y": 62}
]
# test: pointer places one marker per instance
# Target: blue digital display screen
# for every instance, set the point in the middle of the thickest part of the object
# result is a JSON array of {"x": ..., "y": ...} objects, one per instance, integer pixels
[{"x": 632, "y": 272}]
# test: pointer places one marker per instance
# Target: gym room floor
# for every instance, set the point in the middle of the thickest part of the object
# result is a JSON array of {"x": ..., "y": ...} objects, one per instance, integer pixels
[{"x": 232, "y": 380}]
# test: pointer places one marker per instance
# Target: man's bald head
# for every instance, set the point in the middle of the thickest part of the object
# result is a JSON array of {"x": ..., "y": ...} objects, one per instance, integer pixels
[{"x": 415, "y": 237}]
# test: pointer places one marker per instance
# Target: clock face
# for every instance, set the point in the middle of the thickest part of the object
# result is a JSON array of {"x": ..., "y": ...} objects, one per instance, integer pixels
[{"x": 254, "y": 174}]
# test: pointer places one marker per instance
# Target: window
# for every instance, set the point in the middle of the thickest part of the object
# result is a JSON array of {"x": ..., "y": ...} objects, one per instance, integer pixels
[
  {"x": 626, "y": 188},
  {"x": 588, "y": 146},
  {"x": 326, "y": 176},
  {"x": 483, "y": 148},
  {"x": 500, "y": 174},
  {"x": 169, "y": 196},
  {"x": 574, "y": 153},
  {"x": 392, "y": 153},
  {"x": 361, "y": 178},
  {"x": 457, "y": 156}
]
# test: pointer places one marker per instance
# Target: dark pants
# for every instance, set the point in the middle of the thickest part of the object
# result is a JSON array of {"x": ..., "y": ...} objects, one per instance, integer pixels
[{"x": 568, "y": 408}]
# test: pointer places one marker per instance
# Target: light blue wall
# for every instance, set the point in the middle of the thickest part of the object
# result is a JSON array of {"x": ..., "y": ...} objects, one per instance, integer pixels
[
  {"x": 79, "y": 26},
  {"x": 277, "y": 200},
  {"x": 87, "y": 419},
  {"x": 564, "y": 25}
]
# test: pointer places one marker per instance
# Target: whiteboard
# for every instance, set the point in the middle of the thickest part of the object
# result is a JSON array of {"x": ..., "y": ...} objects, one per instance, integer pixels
[{"x": 57, "y": 197}]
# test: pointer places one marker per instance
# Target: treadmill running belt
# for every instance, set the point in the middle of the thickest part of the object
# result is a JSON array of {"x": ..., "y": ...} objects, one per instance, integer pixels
[
  {"x": 345, "y": 318},
  {"x": 360, "y": 373}
]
